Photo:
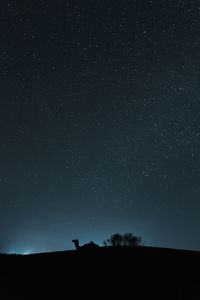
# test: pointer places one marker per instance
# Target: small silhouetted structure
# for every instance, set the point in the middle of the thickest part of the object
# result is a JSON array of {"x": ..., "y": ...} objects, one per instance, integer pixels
[{"x": 88, "y": 246}]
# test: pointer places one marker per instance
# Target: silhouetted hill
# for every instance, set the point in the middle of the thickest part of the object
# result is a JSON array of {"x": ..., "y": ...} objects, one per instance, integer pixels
[{"x": 137, "y": 273}]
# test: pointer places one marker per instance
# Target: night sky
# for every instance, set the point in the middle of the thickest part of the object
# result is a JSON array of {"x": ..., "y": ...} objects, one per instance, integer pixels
[{"x": 99, "y": 122}]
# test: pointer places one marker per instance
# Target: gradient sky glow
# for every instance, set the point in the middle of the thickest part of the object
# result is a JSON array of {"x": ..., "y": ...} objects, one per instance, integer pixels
[{"x": 99, "y": 122}]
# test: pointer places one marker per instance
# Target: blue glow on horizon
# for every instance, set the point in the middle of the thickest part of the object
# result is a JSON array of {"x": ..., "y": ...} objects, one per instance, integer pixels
[{"x": 22, "y": 252}]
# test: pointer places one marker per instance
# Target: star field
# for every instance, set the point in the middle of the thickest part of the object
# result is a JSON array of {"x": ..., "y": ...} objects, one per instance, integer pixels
[{"x": 99, "y": 122}]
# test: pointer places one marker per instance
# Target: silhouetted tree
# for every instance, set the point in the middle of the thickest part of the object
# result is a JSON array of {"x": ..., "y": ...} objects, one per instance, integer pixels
[
  {"x": 131, "y": 240},
  {"x": 126, "y": 239},
  {"x": 116, "y": 239}
]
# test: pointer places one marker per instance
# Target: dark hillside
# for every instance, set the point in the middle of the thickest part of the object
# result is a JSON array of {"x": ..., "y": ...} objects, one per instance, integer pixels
[{"x": 106, "y": 272}]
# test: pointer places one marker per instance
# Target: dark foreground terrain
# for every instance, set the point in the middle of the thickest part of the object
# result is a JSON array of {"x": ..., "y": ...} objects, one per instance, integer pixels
[{"x": 125, "y": 272}]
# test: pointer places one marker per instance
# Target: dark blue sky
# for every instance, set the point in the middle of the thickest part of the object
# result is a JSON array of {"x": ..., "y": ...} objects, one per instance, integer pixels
[{"x": 99, "y": 122}]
